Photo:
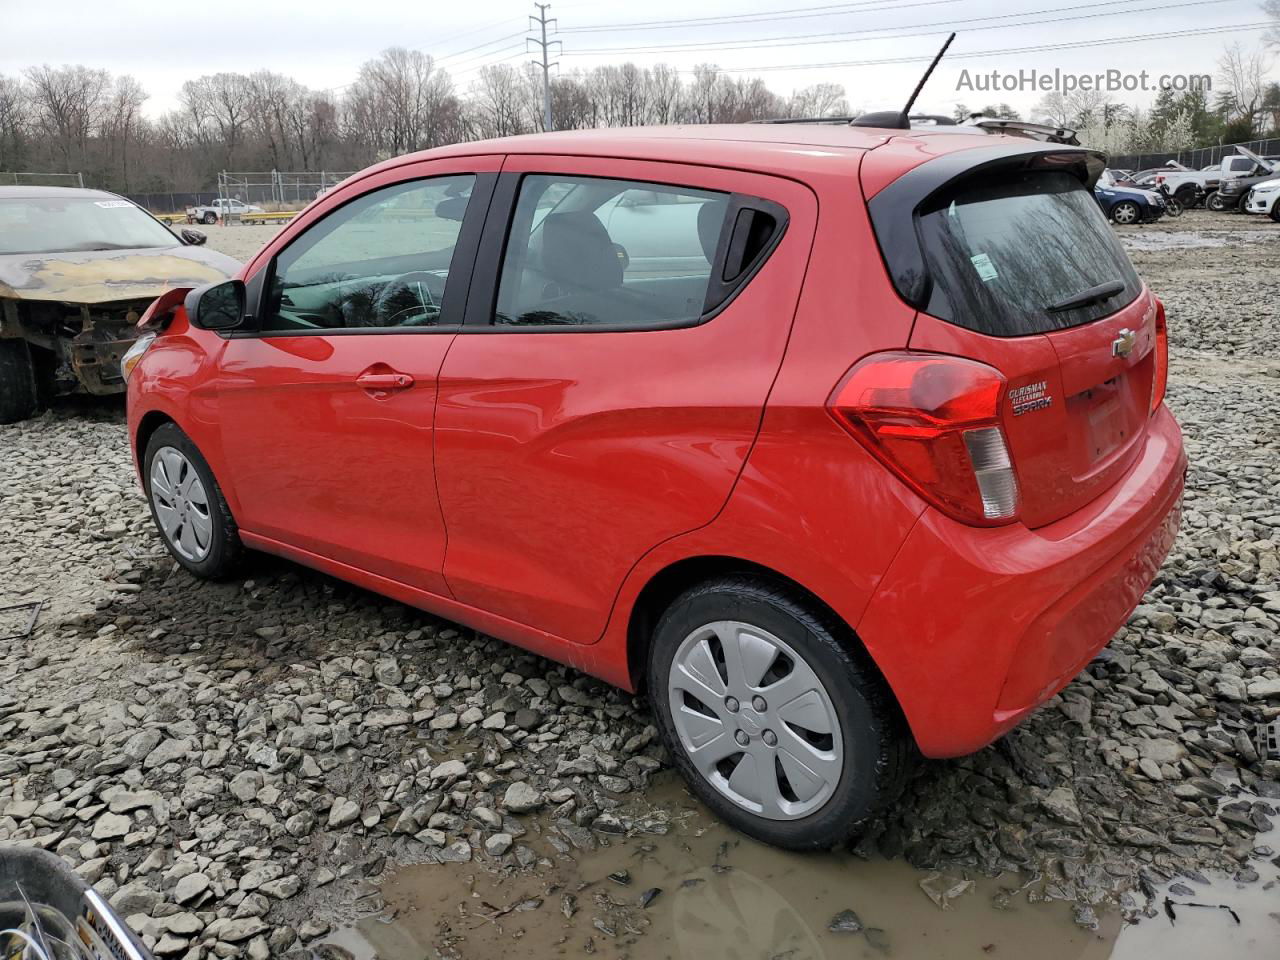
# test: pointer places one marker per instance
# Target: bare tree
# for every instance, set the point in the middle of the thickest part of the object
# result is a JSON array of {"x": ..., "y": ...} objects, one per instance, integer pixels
[
  {"x": 220, "y": 105},
  {"x": 818, "y": 100},
  {"x": 67, "y": 105},
  {"x": 13, "y": 122},
  {"x": 1243, "y": 76},
  {"x": 495, "y": 102}
]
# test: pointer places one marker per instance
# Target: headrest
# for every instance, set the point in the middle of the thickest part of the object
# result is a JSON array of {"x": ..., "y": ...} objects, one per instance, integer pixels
[{"x": 578, "y": 252}]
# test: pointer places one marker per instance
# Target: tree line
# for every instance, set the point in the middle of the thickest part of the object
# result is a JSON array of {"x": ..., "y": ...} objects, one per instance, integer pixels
[{"x": 81, "y": 119}]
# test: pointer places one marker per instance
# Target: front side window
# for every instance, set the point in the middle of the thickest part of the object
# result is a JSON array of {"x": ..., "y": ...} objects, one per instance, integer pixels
[
  {"x": 591, "y": 251},
  {"x": 380, "y": 261}
]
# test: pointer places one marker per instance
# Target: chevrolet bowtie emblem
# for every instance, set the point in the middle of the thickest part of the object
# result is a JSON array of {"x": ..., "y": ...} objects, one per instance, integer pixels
[{"x": 1122, "y": 345}]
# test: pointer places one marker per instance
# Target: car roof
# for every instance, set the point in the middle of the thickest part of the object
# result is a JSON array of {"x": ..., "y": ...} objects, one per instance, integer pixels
[
  {"x": 48, "y": 193},
  {"x": 792, "y": 149}
]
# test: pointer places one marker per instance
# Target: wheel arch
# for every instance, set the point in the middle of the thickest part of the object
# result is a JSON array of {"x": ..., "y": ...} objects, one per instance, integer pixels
[
  {"x": 671, "y": 581},
  {"x": 151, "y": 421}
]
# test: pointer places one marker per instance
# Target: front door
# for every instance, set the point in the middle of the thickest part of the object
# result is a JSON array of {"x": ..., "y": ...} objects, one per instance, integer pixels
[
  {"x": 327, "y": 404},
  {"x": 604, "y": 397}
]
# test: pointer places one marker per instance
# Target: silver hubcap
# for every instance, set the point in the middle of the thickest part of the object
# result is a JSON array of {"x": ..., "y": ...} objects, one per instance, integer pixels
[
  {"x": 181, "y": 503},
  {"x": 1125, "y": 214},
  {"x": 755, "y": 720}
]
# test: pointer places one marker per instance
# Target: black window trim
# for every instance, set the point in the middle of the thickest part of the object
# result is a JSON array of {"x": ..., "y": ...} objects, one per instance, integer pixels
[
  {"x": 482, "y": 298},
  {"x": 461, "y": 268}
]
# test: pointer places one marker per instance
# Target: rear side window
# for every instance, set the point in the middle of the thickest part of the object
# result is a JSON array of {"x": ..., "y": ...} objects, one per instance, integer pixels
[
  {"x": 593, "y": 251},
  {"x": 1008, "y": 252}
]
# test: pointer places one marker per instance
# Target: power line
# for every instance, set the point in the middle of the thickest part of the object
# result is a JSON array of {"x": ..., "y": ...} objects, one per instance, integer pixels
[
  {"x": 852, "y": 36},
  {"x": 479, "y": 46},
  {"x": 794, "y": 13},
  {"x": 1228, "y": 28}
]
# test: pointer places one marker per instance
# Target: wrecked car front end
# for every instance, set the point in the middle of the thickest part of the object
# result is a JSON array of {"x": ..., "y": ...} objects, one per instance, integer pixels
[{"x": 78, "y": 312}]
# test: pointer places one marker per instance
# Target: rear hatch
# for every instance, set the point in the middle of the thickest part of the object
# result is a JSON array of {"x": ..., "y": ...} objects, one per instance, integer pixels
[{"x": 1025, "y": 275}]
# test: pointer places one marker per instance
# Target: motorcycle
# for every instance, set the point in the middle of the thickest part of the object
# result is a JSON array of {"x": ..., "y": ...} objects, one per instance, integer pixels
[
  {"x": 1172, "y": 205},
  {"x": 47, "y": 912}
]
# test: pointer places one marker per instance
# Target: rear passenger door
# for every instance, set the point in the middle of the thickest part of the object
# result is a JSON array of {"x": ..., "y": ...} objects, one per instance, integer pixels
[{"x": 625, "y": 322}]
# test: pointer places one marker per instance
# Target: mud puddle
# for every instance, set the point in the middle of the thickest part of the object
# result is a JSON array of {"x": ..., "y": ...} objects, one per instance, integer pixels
[
  {"x": 1187, "y": 239},
  {"x": 704, "y": 892}
]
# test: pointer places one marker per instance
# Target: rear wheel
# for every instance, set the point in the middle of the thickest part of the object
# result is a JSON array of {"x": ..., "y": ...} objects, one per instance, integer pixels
[
  {"x": 19, "y": 394},
  {"x": 1274, "y": 212},
  {"x": 209, "y": 217},
  {"x": 785, "y": 732},
  {"x": 1126, "y": 212},
  {"x": 1186, "y": 196},
  {"x": 187, "y": 505},
  {"x": 1173, "y": 208},
  {"x": 1214, "y": 202}
]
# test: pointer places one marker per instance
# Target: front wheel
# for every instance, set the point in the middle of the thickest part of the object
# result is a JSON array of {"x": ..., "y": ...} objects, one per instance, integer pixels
[
  {"x": 209, "y": 217},
  {"x": 1214, "y": 202},
  {"x": 785, "y": 731},
  {"x": 1173, "y": 208},
  {"x": 187, "y": 505},
  {"x": 1126, "y": 212},
  {"x": 19, "y": 385},
  {"x": 1274, "y": 212}
]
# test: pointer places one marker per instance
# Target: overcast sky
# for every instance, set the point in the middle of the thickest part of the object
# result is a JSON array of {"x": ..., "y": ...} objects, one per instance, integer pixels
[{"x": 322, "y": 43}]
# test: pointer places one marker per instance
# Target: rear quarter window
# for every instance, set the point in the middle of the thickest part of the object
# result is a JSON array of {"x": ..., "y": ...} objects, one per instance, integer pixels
[{"x": 1003, "y": 249}]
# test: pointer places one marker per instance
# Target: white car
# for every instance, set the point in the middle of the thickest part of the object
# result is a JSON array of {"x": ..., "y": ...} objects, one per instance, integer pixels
[{"x": 1262, "y": 199}]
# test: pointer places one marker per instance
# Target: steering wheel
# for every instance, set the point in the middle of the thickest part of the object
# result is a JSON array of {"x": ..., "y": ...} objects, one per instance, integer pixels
[{"x": 408, "y": 296}]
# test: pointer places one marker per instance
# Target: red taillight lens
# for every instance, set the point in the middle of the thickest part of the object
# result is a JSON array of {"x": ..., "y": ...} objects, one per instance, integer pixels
[
  {"x": 935, "y": 421},
  {"x": 1160, "y": 374}
]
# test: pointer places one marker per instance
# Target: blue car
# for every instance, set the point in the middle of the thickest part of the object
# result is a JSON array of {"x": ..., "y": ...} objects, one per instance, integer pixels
[{"x": 1127, "y": 204}]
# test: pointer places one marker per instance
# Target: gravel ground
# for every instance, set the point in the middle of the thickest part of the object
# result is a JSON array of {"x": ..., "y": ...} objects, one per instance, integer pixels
[{"x": 232, "y": 764}]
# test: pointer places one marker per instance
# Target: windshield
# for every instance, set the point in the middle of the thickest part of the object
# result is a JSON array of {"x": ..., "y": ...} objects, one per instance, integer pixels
[
  {"x": 70, "y": 224},
  {"x": 1006, "y": 249}
]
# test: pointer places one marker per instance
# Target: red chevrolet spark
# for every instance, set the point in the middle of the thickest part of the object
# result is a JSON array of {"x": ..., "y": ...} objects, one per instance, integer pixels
[{"x": 841, "y": 442}]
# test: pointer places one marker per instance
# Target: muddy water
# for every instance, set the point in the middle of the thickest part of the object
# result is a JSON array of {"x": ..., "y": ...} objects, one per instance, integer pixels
[{"x": 722, "y": 897}]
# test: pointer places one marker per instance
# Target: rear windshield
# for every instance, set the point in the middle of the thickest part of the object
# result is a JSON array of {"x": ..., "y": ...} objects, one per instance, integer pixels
[{"x": 1002, "y": 251}]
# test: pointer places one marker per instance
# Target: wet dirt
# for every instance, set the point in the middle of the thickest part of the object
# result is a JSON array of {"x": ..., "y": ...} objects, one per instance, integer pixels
[{"x": 721, "y": 896}]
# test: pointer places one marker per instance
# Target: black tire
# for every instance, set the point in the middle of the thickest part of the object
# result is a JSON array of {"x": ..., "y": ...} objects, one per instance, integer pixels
[
  {"x": 1173, "y": 208},
  {"x": 1126, "y": 213},
  {"x": 19, "y": 391},
  {"x": 878, "y": 751},
  {"x": 46, "y": 364},
  {"x": 1186, "y": 196},
  {"x": 225, "y": 548},
  {"x": 209, "y": 217},
  {"x": 1214, "y": 202},
  {"x": 1274, "y": 214}
]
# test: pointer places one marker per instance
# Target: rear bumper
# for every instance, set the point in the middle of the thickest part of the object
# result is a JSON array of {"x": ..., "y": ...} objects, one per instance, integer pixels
[{"x": 974, "y": 628}]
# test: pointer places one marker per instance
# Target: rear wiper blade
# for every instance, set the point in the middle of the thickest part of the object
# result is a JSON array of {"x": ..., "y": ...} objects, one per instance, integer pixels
[{"x": 1103, "y": 291}]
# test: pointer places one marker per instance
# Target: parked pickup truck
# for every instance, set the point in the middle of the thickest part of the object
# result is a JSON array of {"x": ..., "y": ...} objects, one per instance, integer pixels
[
  {"x": 1182, "y": 181},
  {"x": 221, "y": 208}
]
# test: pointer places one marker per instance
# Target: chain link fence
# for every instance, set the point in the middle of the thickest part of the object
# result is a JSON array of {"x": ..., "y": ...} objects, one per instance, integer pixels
[{"x": 1195, "y": 158}]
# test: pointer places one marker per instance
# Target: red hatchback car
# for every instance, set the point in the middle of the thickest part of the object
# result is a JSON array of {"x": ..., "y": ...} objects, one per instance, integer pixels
[{"x": 842, "y": 442}]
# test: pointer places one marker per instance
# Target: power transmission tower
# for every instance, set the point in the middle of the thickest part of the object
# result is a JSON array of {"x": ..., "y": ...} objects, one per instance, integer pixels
[{"x": 544, "y": 45}]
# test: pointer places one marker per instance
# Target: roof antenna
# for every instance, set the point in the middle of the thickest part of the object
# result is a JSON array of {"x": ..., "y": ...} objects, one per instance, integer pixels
[{"x": 892, "y": 119}]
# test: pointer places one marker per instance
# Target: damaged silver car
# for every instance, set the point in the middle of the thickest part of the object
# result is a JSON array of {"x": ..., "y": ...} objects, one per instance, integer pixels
[{"x": 77, "y": 269}]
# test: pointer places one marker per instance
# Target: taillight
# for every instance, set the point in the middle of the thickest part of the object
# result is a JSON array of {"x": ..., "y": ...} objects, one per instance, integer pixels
[
  {"x": 935, "y": 421},
  {"x": 1160, "y": 371}
]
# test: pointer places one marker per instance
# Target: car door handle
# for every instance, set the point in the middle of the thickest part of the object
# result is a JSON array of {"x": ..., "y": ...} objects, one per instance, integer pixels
[{"x": 384, "y": 381}]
